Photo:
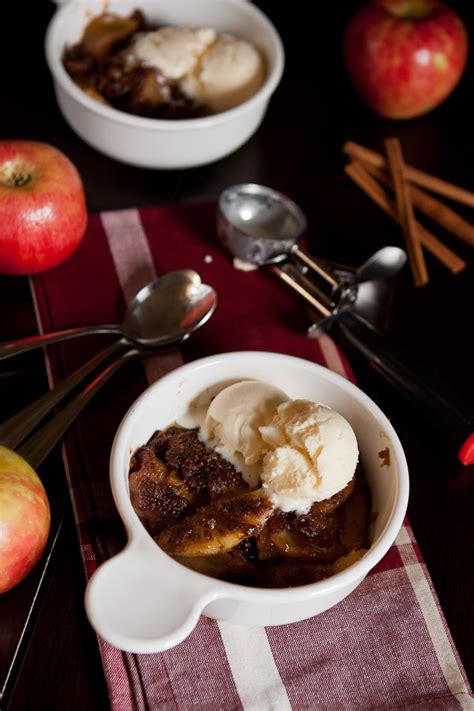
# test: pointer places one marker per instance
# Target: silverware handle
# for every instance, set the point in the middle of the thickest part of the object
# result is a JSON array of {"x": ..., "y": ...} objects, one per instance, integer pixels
[
  {"x": 8, "y": 349},
  {"x": 17, "y": 428},
  {"x": 36, "y": 449}
]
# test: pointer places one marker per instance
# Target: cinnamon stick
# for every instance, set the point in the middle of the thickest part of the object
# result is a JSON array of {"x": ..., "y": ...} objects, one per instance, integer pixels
[
  {"x": 375, "y": 191},
  {"x": 431, "y": 207},
  {"x": 418, "y": 177},
  {"x": 405, "y": 211}
]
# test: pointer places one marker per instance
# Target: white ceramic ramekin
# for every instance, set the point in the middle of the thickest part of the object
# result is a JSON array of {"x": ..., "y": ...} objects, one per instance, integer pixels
[
  {"x": 154, "y": 143},
  {"x": 142, "y": 600}
]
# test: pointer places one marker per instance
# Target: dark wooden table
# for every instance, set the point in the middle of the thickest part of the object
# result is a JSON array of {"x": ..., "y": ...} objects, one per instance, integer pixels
[{"x": 297, "y": 150}]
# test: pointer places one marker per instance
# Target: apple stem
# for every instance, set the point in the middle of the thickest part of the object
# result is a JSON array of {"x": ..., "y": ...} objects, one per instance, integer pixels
[{"x": 17, "y": 180}]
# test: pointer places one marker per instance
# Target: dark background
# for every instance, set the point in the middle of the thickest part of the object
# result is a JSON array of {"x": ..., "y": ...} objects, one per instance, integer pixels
[{"x": 297, "y": 150}]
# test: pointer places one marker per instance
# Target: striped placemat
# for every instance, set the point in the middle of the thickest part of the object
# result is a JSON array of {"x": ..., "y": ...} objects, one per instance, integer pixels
[{"x": 385, "y": 646}]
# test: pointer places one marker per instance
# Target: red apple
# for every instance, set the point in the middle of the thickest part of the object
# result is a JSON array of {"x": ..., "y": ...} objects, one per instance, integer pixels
[
  {"x": 42, "y": 207},
  {"x": 405, "y": 56},
  {"x": 24, "y": 518}
]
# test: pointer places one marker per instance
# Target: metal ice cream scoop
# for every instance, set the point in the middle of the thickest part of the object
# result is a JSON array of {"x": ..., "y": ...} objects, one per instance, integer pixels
[{"x": 262, "y": 226}]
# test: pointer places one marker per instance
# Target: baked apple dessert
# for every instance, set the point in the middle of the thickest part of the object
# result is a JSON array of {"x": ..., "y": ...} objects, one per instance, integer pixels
[{"x": 266, "y": 492}]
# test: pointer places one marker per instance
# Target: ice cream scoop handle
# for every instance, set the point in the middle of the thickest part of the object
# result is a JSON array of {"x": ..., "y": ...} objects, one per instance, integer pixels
[
  {"x": 315, "y": 266},
  {"x": 22, "y": 345},
  {"x": 427, "y": 392}
]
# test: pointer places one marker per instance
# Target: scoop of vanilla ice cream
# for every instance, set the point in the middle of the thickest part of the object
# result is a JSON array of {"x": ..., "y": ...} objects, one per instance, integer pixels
[
  {"x": 175, "y": 51},
  {"x": 229, "y": 72},
  {"x": 313, "y": 455},
  {"x": 234, "y": 418},
  {"x": 289, "y": 479}
]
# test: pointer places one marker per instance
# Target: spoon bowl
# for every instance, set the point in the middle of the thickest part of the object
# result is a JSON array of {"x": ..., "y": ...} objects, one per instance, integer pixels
[{"x": 168, "y": 309}]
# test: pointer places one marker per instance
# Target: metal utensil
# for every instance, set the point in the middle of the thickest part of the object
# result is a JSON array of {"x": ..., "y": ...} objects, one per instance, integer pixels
[
  {"x": 163, "y": 312},
  {"x": 199, "y": 304},
  {"x": 262, "y": 226},
  {"x": 18, "y": 426},
  {"x": 383, "y": 264},
  {"x": 37, "y": 448}
]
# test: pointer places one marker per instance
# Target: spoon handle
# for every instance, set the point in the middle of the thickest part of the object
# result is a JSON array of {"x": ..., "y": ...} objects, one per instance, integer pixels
[
  {"x": 17, "y": 428},
  {"x": 22, "y": 345},
  {"x": 36, "y": 449}
]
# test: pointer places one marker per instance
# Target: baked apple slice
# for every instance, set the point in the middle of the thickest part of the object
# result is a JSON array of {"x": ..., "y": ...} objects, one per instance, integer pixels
[{"x": 218, "y": 527}]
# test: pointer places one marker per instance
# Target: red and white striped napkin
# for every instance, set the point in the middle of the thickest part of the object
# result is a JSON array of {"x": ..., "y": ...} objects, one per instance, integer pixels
[{"x": 385, "y": 646}]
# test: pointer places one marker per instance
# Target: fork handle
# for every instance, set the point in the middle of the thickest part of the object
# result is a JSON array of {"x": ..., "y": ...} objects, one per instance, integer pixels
[
  {"x": 17, "y": 428},
  {"x": 36, "y": 449},
  {"x": 8, "y": 349}
]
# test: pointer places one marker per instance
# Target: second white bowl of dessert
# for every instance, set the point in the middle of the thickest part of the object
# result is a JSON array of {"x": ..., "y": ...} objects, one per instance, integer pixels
[
  {"x": 154, "y": 142},
  {"x": 143, "y": 600}
]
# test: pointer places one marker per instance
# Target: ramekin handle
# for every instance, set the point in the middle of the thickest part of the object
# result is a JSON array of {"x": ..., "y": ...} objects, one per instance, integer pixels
[{"x": 140, "y": 605}]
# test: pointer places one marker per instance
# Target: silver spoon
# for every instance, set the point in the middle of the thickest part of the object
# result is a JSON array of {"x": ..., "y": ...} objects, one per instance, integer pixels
[
  {"x": 163, "y": 312},
  {"x": 192, "y": 307}
]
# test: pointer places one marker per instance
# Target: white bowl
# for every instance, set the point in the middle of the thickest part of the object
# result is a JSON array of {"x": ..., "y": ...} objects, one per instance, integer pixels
[
  {"x": 142, "y": 600},
  {"x": 157, "y": 143}
]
